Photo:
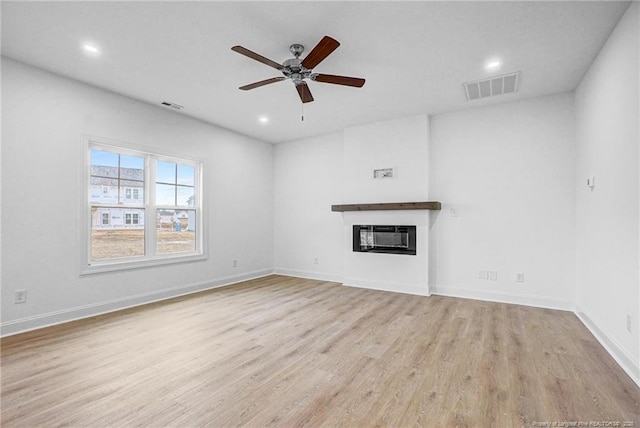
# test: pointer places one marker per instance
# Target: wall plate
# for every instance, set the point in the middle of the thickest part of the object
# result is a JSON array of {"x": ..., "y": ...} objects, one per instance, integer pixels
[{"x": 379, "y": 174}]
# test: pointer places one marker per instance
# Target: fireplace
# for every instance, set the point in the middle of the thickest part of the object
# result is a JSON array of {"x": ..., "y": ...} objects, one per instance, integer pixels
[{"x": 384, "y": 239}]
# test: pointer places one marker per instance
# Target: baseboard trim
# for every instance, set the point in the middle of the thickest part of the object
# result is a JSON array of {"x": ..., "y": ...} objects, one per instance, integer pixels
[
  {"x": 22, "y": 325},
  {"x": 622, "y": 357},
  {"x": 501, "y": 297},
  {"x": 388, "y": 286},
  {"x": 320, "y": 276}
]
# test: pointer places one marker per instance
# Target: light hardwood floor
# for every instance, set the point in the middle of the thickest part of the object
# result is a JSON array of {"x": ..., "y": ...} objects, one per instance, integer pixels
[{"x": 282, "y": 351}]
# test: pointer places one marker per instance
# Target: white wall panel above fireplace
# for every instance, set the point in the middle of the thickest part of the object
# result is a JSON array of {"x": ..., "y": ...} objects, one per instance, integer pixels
[
  {"x": 401, "y": 144},
  {"x": 404, "y": 145}
]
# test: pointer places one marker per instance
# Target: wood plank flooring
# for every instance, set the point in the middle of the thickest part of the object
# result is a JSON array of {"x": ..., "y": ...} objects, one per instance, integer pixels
[{"x": 282, "y": 351}]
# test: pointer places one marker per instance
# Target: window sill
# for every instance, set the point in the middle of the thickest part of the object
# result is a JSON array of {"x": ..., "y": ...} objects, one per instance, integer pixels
[{"x": 118, "y": 266}]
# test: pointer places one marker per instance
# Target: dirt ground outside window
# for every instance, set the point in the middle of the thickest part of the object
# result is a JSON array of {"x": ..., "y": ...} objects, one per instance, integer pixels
[{"x": 122, "y": 243}]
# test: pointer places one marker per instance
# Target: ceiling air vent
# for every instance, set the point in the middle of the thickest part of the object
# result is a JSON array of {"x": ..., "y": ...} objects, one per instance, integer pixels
[
  {"x": 172, "y": 105},
  {"x": 498, "y": 85}
]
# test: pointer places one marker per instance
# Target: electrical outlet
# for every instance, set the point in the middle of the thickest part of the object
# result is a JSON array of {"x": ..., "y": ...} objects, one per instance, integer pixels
[
  {"x": 519, "y": 276},
  {"x": 493, "y": 275},
  {"x": 629, "y": 323},
  {"x": 20, "y": 296},
  {"x": 235, "y": 263},
  {"x": 483, "y": 274}
]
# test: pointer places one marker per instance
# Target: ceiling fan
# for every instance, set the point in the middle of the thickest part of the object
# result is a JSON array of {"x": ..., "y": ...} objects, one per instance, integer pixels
[{"x": 298, "y": 70}]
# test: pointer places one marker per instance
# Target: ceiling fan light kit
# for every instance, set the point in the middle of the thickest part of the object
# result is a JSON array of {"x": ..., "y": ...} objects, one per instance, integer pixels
[{"x": 298, "y": 70}]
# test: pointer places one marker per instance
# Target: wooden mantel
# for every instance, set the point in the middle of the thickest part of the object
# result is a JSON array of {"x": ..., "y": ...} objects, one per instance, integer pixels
[{"x": 432, "y": 205}]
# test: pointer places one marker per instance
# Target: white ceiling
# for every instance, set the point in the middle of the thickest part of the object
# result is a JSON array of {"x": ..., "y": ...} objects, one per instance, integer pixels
[{"x": 414, "y": 55}]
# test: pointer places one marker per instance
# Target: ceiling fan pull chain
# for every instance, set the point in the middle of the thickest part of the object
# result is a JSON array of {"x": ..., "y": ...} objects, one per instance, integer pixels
[{"x": 302, "y": 112}]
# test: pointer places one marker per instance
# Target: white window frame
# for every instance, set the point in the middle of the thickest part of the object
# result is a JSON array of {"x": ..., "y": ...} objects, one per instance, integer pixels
[{"x": 88, "y": 266}]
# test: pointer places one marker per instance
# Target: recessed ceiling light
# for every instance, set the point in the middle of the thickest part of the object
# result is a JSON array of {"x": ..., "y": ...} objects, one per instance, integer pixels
[
  {"x": 492, "y": 65},
  {"x": 263, "y": 119},
  {"x": 91, "y": 49}
]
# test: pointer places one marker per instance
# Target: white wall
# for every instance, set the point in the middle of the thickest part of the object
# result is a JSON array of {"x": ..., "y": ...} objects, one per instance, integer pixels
[
  {"x": 308, "y": 179},
  {"x": 44, "y": 116},
  {"x": 314, "y": 173},
  {"x": 508, "y": 171},
  {"x": 400, "y": 143},
  {"x": 608, "y": 135}
]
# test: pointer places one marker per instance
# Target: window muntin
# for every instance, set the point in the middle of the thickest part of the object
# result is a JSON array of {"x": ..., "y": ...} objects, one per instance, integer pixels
[
  {"x": 142, "y": 229},
  {"x": 174, "y": 184}
]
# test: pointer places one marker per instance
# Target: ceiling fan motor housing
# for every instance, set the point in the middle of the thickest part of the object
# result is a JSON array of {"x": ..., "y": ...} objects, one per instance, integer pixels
[{"x": 293, "y": 69}]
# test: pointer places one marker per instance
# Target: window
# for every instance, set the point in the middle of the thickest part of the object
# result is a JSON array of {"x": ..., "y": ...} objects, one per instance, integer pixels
[
  {"x": 131, "y": 218},
  {"x": 152, "y": 206}
]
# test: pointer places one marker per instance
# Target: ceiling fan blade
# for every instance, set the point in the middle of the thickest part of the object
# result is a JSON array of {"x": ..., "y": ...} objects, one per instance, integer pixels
[
  {"x": 322, "y": 50},
  {"x": 304, "y": 92},
  {"x": 261, "y": 83},
  {"x": 339, "y": 80},
  {"x": 257, "y": 57}
]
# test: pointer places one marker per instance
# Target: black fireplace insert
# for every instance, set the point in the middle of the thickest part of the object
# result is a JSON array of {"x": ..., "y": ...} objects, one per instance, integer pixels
[{"x": 384, "y": 239}]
